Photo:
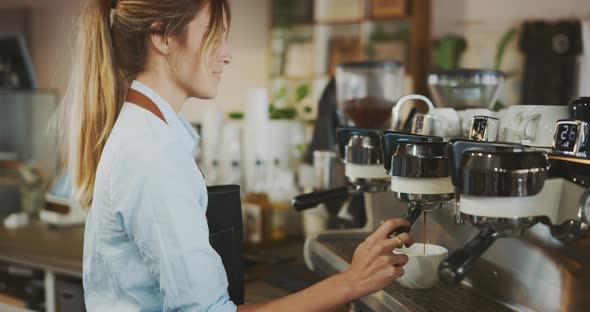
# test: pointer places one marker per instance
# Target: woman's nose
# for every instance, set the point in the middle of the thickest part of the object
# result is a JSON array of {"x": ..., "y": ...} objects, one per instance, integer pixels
[{"x": 226, "y": 57}]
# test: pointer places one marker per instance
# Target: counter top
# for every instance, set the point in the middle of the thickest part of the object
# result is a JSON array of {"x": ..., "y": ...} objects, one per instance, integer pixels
[
  {"x": 60, "y": 250},
  {"x": 43, "y": 247},
  {"x": 332, "y": 253}
]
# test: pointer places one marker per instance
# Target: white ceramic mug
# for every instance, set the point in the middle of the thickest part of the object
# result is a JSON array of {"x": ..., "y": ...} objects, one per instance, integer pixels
[
  {"x": 540, "y": 125},
  {"x": 396, "y": 120},
  {"x": 443, "y": 122},
  {"x": 511, "y": 126},
  {"x": 531, "y": 125},
  {"x": 450, "y": 123},
  {"x": 424, "y": 124},
  {"x": 421, "y": 271}
]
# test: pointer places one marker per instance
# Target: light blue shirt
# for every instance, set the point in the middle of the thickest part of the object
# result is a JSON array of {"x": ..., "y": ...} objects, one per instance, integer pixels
[{"x": 146, "y": 243}]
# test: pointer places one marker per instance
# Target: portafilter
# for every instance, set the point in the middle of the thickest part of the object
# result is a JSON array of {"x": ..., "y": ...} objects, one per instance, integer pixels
[
  {"x": 499, "y": 193},
  {"x": 360, "y": 152},
  {"x": 419, "y": 173}
]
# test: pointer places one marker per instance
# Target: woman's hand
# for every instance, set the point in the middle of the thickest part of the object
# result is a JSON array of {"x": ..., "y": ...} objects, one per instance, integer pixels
[{"x": 374, "y": 265}]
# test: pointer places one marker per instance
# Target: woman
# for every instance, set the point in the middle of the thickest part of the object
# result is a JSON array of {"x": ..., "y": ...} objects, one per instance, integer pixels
[{"x": 146, "y": 244}]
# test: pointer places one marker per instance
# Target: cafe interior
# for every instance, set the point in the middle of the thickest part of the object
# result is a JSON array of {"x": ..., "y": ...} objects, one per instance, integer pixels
[{"x": 463, "y": 117}]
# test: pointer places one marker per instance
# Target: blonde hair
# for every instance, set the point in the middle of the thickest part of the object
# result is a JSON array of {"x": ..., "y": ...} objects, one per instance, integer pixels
[{"x": 108, "y": 57}]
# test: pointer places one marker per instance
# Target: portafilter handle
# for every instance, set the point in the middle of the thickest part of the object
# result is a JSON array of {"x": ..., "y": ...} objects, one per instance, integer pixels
[
  {"x": 458, "y": 265},
  {"x": 311, "y": 200},
  {"x": 411, "y": 215}
]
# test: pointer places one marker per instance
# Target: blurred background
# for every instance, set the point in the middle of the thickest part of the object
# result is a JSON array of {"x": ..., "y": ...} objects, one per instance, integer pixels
[{"x": 257, "y": 132}]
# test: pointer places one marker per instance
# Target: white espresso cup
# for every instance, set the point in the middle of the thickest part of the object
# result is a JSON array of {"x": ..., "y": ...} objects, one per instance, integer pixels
[
  {"x": 450, "y": 125},
  {"x": 531, "y": 125},
  {"x": 443, "y": 122},
  {"x": 540, "y": 125},
  {"x": 421, "y": 271}
]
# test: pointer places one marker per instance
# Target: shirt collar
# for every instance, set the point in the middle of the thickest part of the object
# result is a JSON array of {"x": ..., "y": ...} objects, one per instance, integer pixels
[
  {"x": 181, "y": 125},
  {"x": 192, "y": 132}
]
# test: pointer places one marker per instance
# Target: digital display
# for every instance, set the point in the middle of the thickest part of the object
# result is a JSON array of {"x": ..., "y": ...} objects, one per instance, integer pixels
[
  {"x": 566, "y": 136},
  {"x": 478, "y": 129}
]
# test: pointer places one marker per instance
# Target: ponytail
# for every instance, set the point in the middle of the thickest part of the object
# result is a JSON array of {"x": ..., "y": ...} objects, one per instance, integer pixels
[{"x": 93, "y": 99}]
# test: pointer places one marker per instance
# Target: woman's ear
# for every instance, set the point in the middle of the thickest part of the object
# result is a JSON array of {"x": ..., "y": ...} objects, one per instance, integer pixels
[{"x": 158, "y": 38}]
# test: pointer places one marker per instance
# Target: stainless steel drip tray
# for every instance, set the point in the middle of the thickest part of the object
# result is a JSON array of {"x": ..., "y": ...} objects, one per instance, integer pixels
[{"x": 332, "y": 253}]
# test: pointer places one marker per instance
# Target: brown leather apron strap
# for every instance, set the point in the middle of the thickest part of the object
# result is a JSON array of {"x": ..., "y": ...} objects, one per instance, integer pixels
[
  {"x": 141, "y": 100},
  {"x": 137, "y": 98}
]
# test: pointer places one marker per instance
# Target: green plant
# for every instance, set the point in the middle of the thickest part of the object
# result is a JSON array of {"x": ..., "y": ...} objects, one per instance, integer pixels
[
  {"x": 284, "y": 105},
  {"x": 235, "y": 115},
  {"x": 282, "y": 113},
  {"x": 506, "y": 38},
  {"x": 448, "y": 51},
  {"x": 301, "y": 92}
]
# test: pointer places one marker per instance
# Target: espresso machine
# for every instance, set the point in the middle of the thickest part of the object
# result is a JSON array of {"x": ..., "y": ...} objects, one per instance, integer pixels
[
  {"x": 360, "y": 153},
  {"x": 535, "y": 202},
  {"x": 517, "y": 232}
]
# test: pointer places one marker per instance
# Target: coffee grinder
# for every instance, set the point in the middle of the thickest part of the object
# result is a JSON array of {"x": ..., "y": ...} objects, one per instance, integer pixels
[{"x": 472, "y": 92}]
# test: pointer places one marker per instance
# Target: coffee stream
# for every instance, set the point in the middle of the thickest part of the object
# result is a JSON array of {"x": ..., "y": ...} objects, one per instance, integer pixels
[{"x": 424, "y": 233}]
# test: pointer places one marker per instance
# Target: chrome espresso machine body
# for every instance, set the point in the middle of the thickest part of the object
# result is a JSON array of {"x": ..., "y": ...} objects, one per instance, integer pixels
[
  {"x": 530, "y": 200},
  {"x": 514, "y": 218}
]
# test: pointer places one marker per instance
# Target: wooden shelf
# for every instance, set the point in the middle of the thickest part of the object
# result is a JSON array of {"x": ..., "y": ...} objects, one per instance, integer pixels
[{"x": 418, "y": 55}]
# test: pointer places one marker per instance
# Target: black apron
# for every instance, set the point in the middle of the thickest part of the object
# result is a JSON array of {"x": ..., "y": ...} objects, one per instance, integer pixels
[{"x": 224, "y": 217}]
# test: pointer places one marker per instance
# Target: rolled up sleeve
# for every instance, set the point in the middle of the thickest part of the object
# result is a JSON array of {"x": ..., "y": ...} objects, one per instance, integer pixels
[{"x": 164, "y": 215}]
